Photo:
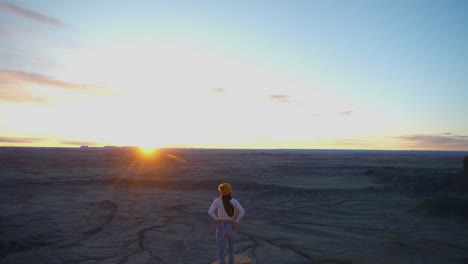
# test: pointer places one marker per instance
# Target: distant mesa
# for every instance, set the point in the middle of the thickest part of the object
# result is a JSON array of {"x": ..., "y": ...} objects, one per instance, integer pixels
[{"x": 84, "y": 147}]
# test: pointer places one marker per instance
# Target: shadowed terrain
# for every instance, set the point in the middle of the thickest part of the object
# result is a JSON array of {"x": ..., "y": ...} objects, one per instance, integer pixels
[{"x": 118, "y": 205}]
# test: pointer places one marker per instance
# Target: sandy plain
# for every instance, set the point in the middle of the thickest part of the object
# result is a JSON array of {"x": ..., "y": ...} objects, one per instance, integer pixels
[{"x": 117, "y": 205}]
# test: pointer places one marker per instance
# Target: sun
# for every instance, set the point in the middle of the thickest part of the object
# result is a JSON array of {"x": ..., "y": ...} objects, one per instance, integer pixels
[
  {"x": 148, "y": 152},
  {"x": 149, "y": 148},
  {"x": 146, "y": 148}
]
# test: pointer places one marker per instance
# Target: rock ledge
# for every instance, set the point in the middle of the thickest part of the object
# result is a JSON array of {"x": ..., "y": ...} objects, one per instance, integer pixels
[{"x": 238, "y": 259}]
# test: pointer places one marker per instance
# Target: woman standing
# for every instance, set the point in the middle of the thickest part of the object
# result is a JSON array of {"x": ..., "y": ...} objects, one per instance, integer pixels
[{"x": 226, "y": 225}]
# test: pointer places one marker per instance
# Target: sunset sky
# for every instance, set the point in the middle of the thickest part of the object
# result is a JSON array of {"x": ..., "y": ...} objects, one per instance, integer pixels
[{"x": 327, "y": 74}]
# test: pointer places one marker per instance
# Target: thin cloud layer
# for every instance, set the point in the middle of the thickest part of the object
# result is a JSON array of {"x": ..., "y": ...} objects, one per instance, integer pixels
[
  {"x": 446, "y": 141},
  {"x": 19, "y": 96},
  {"x": 19, "y": 140},
  {"x": 79, "y": 143},
  {"x": 31, "y": 15},
  {"x": 24, "y": 57},
  {"x": 31, "y": 140},
  {"x": 279, "y": 98},
  {"x": 17, "y": 80},
  {"x": 346, "y": 113},
  {"x": 5, "y": 33}
]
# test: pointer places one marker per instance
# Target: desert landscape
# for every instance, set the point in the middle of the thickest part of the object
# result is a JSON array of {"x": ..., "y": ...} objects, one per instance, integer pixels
[
  {"x": 121, "y": 205},
  {"x": 340, "y": 125}
]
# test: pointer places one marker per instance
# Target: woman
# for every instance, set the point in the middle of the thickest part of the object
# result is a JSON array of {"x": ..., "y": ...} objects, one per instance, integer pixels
[{"x": 226, "y": 225}]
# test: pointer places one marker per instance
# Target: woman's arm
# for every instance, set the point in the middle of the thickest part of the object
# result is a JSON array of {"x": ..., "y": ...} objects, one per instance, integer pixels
[
  {"x": 240, "y": 210},
  {"x": 212, "y": 209}
]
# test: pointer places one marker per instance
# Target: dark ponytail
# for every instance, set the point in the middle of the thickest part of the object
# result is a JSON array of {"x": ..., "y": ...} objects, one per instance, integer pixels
[{"x": 227, "y": 205}]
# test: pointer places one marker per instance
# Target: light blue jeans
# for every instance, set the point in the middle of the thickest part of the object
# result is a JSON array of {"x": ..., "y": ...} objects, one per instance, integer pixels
[{"x": 225, "y": 234}]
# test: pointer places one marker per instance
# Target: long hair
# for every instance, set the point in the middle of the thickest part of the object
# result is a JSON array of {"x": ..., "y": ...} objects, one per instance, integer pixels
[{"x": 227, "y": 205}]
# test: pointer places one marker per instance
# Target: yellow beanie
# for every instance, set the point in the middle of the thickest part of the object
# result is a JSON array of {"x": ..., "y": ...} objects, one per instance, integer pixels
[{"x": 225, "y": 188}]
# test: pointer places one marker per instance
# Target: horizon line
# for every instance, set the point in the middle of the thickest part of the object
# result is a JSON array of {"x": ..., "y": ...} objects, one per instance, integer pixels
[{"x": 267, "y": 149}]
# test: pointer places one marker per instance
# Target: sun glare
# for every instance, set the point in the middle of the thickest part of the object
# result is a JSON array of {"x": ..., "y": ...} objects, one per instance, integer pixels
[{"x": 148, "y": 150}]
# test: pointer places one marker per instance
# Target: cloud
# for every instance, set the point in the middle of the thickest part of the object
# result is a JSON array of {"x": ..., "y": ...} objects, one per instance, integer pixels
[
  {"x": 29, "y": 58},
  {"x": 445, "y": 141},
  {"x": 19, "y": 140},
  {"x": 444, "y": 134},
  {"x": 28, "y": 77},
  {"x": 19, "y": 96},
  {"x": 217, "y": 90},
  {"x": 34, "y": 140},
  {"x": 79, "y": 143},
  {"x": 6, "y": 34},
  {"x": 31, "y": 15},
  {"x": 346, "y": 113},
  {"x": 279, "y": 98},
  {"x": 12, "y": 86}
]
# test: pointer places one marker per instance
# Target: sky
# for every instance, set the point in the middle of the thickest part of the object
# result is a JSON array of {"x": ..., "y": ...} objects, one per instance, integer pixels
[{"x": 329, "y": 74}]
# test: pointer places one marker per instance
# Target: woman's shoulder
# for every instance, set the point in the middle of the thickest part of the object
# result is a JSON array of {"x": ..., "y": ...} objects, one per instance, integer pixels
[{"x": 233, "y": 201}]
